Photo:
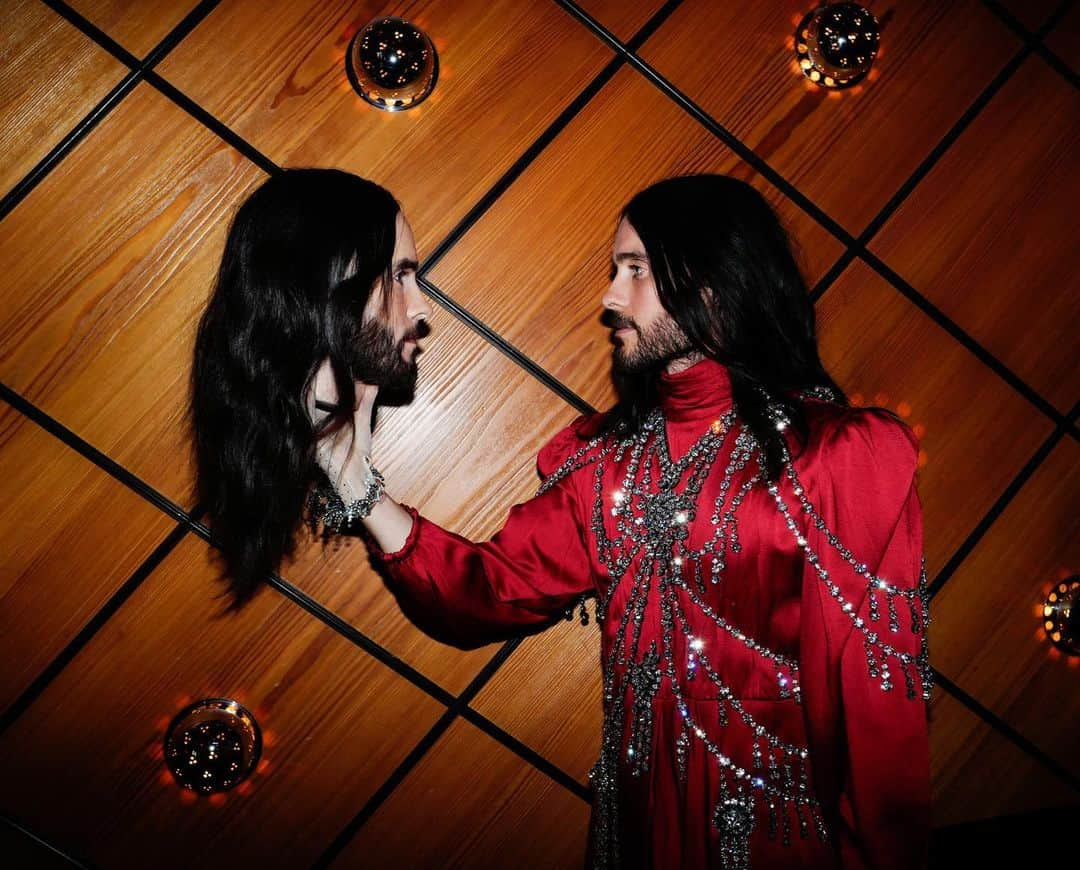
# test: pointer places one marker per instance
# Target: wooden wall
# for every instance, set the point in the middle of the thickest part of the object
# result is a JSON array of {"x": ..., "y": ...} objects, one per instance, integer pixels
[{"x": 933, "y": 205}]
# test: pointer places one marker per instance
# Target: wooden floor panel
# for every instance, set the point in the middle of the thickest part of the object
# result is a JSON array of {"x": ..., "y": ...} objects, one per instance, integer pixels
[
  {"x": 987, "y": 236},
  {"x": 137, "y": 25},
  {"x": 471, "y": 803},
  {"x": 50, "y": 78},
  {"x": 988, "y": 634}
]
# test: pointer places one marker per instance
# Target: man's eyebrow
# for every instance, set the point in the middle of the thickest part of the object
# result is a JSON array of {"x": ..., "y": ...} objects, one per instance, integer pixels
[
  {"x": 402, "y": 265},
  {"x": 624, "y": 256}
]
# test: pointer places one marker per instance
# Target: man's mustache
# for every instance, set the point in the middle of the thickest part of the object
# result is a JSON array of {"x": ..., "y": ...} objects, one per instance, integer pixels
[
  {"x": 421, "y": 330},
  {"x": 614, "y": 320}
]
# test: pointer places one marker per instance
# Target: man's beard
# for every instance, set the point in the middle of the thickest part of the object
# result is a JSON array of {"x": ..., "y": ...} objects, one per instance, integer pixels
[
  {"x": 660, "y": 344},
  {"x": 378, "y": 359}
]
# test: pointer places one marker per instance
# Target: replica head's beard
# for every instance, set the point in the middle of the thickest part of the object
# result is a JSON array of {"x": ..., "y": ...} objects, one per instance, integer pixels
[
  {"x": 656, "y": 346},
  {"x": 378, "y": 359}
]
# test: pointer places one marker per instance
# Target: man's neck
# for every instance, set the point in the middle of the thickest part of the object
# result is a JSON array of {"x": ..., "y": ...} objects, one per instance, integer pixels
[{"x": 684, "y": 362}]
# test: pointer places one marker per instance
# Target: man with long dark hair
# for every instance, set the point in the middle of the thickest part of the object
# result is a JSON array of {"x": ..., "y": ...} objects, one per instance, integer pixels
[
  {"x": 319, "y": 269},
  {"x": 754, "y": 545}
]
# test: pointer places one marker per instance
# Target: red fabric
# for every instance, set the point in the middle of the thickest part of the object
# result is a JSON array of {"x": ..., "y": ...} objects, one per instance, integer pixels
[{"x": 869, "y": 749}]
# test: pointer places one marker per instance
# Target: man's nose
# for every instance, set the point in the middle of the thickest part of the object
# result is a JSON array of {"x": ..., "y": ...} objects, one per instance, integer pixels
[
  {"x": 417, "y": 308},
  {"x": 613, "y": 298}
]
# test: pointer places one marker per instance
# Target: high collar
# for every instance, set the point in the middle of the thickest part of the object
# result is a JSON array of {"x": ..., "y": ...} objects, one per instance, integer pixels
[{"x": 699, "y": 393}]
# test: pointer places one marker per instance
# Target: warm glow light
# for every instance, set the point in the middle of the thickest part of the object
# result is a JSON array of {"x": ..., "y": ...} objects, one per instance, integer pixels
[
  {"x": 836, "y": 44},
  {"x": 1060, "y": 614}
]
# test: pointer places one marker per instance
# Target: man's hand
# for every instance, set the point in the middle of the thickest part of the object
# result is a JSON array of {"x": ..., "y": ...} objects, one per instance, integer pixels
[{"x": 344, "y": 458}]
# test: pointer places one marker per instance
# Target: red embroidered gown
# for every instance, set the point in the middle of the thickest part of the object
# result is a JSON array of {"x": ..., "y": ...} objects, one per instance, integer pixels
[{"x": 777, "y": 665}]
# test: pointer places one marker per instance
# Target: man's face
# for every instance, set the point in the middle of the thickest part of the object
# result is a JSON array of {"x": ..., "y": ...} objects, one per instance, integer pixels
[
  {"x": 645, "y": 335},
  {"x": 393, "y": 326}
]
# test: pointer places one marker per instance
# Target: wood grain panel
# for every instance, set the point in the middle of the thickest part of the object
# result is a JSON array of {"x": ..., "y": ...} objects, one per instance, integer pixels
[
  {"x": 462, "y": 454},
  {"x": 83, "y": 765},
  {"x": 507, "y": 68},
  {"x": 51, "y": 76},
  {"x": 108, "y": 265},
  {"x": 535, "y": 266},
  {"x": 988, "y": 636},
  {"x": 848, "y": 151},
  {"x": 70, "y": 536},
  {"x": 976, "y": 432},
  {"x": 471, "y": 803},
  {"x": 135, "y": 24},
  {"x": 622, "y": 18},
  {"x": 548, "y": 695},
  {"x": 979, "y": 774},
  {"x": 1064, "y": 40},
  {"x": 987, "y": 236}
]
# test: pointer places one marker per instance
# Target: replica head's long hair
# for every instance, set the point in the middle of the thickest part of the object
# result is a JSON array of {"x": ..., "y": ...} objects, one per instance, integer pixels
[
  {"x": 302, "y": 257},
  {"x": 725, "y": 271}
]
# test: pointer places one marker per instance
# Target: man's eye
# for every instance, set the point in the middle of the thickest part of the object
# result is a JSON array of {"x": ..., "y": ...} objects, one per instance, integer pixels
[{"x": 637, "y": 271}]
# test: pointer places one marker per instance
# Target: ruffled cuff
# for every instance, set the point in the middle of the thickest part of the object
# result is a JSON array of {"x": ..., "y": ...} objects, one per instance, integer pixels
[{"x": 407, "y": 548}]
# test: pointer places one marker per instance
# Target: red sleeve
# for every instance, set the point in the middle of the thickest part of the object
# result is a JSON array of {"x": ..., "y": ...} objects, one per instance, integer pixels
[
  {"x": 866, "y": 496},
  {"x": 531, "y": 571}
]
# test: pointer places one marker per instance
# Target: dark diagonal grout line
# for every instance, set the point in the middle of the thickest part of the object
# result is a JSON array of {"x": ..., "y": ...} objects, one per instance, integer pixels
[
  {"x": 215, "y": 125},
  {"x": 1058, "y": 64},
  {"x": 515, "y": 354},
  {"x": 338, "y": 844},
  {"x": 88, "y": 451},
  {"x": 18, "y": 826},
  {"x": 136, "y": 72},
  {"x": 518, "y": 167},
  {"x": 458, "y": 707},
  {"x": 87, "y": 632},
  {"x": 747, "y": 154},
  {"x": 528, "y": 754},
  {"x": 997, "y": 509},
  {"x": 1006, "y": 730},
  {"x": 375, "y": 650},
  {"x": 144, "y": 69},
  {"x": 834, "y": 273},
  {"x": 175, "y": 36},
  {"x": 1037, "y": 39},
  {"x": 954, "y": 329},
  {"x": 81, "y": 130},
  {"x": 938, "y": 151}
]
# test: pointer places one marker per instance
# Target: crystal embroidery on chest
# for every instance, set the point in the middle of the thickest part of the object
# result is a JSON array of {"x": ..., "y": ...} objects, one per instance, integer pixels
[
  {"x": 649, "y": 548},
  {"x": 645, "y": 546}
]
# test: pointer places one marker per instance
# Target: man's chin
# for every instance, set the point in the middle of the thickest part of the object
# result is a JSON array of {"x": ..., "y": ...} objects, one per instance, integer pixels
[{"x": 398, "y": 388}]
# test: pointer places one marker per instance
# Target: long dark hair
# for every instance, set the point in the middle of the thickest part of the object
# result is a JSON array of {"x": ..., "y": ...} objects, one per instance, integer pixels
[
  {"x": 725, "y": 271},
  {"x": 302, "y": 256}
]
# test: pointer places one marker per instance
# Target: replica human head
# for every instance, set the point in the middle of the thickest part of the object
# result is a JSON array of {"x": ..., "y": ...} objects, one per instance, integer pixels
[
  {"x": 318, "y": 264},
  {"x": 701, "y": 267}
]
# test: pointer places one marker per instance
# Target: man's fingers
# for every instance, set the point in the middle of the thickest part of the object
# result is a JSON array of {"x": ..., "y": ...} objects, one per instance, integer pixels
[{"x": 320, "y": 391}]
